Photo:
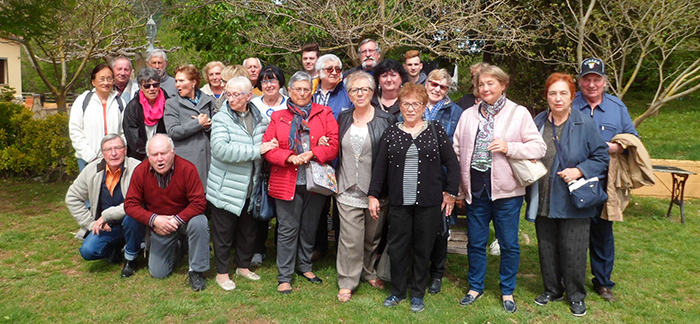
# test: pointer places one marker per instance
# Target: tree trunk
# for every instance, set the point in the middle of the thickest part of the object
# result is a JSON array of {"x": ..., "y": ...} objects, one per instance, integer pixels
[{"x": 61, "y": 102}]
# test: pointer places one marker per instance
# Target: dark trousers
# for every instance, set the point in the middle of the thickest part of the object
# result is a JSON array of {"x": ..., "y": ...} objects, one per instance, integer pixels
[
  {"x": 229, "y": 230},
  {"x": 412, "y": 228},
  {"x": 438, "y": 257},
  {"x": 321, "y": 243},
  {"x": 262, "y": 230},
  {"x": 562, "y": 245},
  {"x": 602, "y": 252}
]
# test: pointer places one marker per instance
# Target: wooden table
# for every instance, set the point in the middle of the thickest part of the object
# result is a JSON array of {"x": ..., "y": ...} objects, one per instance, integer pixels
[{"x": 679, "y": 178}]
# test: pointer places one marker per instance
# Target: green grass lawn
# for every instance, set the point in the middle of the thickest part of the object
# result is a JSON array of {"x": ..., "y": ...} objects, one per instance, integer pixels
[{"x": 44, "y": 280}]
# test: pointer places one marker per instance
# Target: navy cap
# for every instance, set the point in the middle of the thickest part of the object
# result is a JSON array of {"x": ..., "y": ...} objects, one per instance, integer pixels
[{"x": 592, "y": 65}]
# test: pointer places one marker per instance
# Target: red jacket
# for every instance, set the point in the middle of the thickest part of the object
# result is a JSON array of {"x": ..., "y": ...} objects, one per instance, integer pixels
[{"x": 283, "y": 175}]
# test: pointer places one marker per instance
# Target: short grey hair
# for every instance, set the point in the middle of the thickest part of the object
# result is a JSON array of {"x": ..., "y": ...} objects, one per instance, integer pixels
[
  {"x": 299, "y": 76},
  {"x": 110, "y": 137},
  {"x": 170, "y": 141},
  {"x": 240, "y": 82},
  {"x": 255, "y": 58},
  {"x": 157, "y": 53},
  {"x": 605, "y": 88},
  {"x": 121, "y": 57},
  {"x": 146, "y": 74},
  {"x": 367, "y": 40},
  {"x": 359, "y": 75},
  {"x": 322, "y": 61}
]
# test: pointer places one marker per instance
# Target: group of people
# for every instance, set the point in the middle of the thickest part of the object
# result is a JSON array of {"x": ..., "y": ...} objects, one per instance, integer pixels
[{"x": 170, "y": 162}]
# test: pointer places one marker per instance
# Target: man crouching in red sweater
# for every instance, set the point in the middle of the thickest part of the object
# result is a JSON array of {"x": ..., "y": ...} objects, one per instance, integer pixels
[{"x": 166, "y": 194}]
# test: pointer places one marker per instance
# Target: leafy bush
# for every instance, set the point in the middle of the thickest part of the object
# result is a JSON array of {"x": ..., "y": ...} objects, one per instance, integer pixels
[{"x": 34, "y": 148}]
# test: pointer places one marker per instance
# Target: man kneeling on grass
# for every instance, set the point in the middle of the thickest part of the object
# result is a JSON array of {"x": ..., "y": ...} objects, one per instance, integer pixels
[
  {"x": 104, "y": 228},
  {"x": 166, "y": 194}
]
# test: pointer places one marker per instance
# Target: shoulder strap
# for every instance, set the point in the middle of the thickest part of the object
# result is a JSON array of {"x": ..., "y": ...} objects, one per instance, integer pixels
[
  {"x": 86, "y": 100},
  {"x": 512, "y": 112}
]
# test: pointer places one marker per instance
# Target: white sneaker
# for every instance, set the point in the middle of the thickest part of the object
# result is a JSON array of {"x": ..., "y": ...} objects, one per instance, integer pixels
[{"x": 495, "y": 248}]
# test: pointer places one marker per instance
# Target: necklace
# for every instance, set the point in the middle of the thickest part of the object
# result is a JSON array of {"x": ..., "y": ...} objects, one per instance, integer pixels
[{"x": 361, "y": 119}]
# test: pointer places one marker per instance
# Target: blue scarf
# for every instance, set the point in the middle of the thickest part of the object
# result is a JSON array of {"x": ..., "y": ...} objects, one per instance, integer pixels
[{"x": 431, "y": 114}]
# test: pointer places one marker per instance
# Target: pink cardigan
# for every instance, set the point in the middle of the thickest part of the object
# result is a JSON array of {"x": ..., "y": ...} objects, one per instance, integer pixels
[{"x": 524, "y": 142}]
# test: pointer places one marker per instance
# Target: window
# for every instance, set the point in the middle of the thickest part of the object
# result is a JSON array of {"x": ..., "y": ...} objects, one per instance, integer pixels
[{"x": 3, "y": 71}]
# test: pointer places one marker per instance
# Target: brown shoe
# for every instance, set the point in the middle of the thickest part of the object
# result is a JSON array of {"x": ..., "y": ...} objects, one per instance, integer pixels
[{"x": 606, "y": 293}]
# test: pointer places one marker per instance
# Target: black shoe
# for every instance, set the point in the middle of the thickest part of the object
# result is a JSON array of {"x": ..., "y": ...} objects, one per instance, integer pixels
[
  {"x": 314, "y": 280},
  {"x": 509, "y": 306},
  {"x": 129, "y": 268},
  {"x": 547, "y": 297},
  {"x": 578, "y": 308},
  {"x": 469, "y": 299},
  {"x": 435, "y": 286},
  {"x": 117, "y": 255},
  {"x": 283, "y": 292},
  {"x": 197, "y": 281},
  {"x": 417, "y": 304},
  {"x": 392, "y": 301}
]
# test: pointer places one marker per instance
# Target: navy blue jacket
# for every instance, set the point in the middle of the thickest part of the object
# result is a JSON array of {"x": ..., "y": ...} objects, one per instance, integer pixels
[{"x": 582, "y": 147}]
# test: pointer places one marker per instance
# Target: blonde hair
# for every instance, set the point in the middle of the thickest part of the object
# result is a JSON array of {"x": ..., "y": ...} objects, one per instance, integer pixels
[
  {"x": 205, "y": 71},
  {"x": 496, "y": 72},
  {"x": 233, "y": 71}
]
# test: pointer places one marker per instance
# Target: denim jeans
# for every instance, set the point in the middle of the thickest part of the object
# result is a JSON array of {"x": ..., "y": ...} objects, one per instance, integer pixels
[
  {"x": 505, "y": 214},
  {"x": 97, "y": 247}
]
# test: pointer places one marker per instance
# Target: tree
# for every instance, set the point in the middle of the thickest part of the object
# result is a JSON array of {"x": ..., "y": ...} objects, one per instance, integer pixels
[
  {"x": 442, "y": 28},
  {"x": 84, "y": 30},
  {"x": 654, "y": 37}
]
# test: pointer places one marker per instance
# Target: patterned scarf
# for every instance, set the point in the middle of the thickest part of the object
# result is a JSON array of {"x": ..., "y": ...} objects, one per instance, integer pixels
[
  {"x": 299, "y": 126},
  {"x": 430, "y": 114},
  {"x": 152, "y": 114},
  {"x": 481, "y": 158}
]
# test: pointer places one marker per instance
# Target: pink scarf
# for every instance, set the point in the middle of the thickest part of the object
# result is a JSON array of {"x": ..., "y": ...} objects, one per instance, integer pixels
[{"x": 152, "y": 114}]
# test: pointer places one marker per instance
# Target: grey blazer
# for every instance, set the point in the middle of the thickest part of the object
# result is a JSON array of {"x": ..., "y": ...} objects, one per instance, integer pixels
[{"x": 190, "y": 138}]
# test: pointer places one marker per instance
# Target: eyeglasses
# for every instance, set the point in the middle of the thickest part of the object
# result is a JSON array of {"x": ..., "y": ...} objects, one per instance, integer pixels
[
  {"x": 113, "y": 148},
  {"x": 330, "y": 69},
  {"x": 151, "y": 85},
  {"x": 235, "y": 94},
  {"x": 368, "y": 51},
  {"x": 269, "y": 81},
  {"x": 301, "y": 90},
  {"x": 354, "y": 91},
  {"x": 106, "y": 80},
  {"x": 436, "y": 84},
  {"x": 414, "y": 105}
]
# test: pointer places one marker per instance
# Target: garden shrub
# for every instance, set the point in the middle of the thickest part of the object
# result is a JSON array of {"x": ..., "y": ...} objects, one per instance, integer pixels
[{"x": 34, "y": 148}]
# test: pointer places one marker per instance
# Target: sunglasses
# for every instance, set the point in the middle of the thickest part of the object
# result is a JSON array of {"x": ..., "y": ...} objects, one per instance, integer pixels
[
  {"x": 441, "y": 86},
  {"x": 151, "y": 85},
  {"x": 330, "y": 70}
]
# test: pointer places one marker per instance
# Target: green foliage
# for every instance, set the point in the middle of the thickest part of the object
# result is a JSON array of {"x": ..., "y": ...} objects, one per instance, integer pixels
[
  {"x": 34, "y": 148},
  {"x": 30, "y": 18},
  {"x": 7, "y": 93}
]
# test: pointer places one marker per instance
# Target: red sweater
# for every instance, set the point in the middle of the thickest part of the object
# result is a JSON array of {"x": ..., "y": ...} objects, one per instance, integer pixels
[
  {"x": 283, "y": 175},
  {"x": 183, "y": 197}
]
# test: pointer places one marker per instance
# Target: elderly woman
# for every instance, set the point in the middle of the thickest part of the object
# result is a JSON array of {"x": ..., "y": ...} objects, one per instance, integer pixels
[
  {"x": 215, "y": 84},
  {"x": 271, "y": 80},
  {"x": 562, "y": 229},
  {"x": 143, "y": 116},
  {"x": 331, "y": 90},
  {"x": 188, "y": 119},
  {"x": 389, "y": 75},
  {"x": 359, "y": 131},
  {"x": 96, "y": 114},
  {"x": 471, "y": 99},
  {"x": 483, "y": 145},
  {"x": 305, "y": 131},
  {"x": 236, "y": 148},
  {"x": 409, "y": 162},
  {"x": 441, "y": 109}
]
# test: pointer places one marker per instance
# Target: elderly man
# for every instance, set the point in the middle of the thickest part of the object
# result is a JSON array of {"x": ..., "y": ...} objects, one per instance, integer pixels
[
  {"x": 414, "y": 67},
  {"x": 331, "y": 90},
  {"x": 158, "y": 60},
  {"x": 612, "y": 118},
  {"x": 126, "y": 88},
  {"x": 166, "y": 195},
  {"x": 309, "y": 56},
  {"x": 370, "y": 55},
  {"x": 105, "y": 228},
  {"x": 253, "y": 65}
]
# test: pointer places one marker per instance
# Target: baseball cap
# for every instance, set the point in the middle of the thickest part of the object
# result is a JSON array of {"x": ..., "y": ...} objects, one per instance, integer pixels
[{"x": 592, "y": 65}]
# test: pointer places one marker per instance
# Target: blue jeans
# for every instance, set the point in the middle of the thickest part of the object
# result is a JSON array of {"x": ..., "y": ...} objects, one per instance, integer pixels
[
  {"x": 101, "y": 246},
  {"x": 505, "y": 214}
]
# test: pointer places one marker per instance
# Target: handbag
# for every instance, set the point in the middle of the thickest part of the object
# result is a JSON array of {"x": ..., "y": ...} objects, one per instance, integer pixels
[
  {"x": 263, "y": 204},
  {"x": 584, "y": 193},
  {"x": 320, "y": 178},
  {"x": 525, "y": 171}
]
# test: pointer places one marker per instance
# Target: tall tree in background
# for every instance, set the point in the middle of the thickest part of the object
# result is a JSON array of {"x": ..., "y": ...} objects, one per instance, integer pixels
[
  {"x": 659, "y": 39},
  {"x": 74, "y": 31}
]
